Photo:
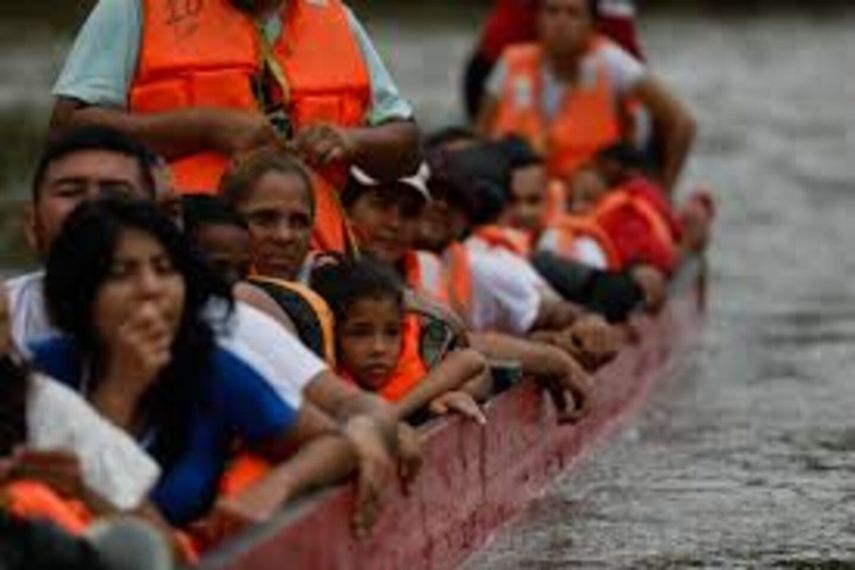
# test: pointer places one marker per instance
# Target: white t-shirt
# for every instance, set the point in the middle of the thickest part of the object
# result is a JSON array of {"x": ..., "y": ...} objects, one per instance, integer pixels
[
  {"x": 585, "y": 249},
  {"x": 507, "y": 292},
  {"x": 256, "y": 338},
  {"x": 624, "y": 70},
  {"x": 113, "y": 465}
]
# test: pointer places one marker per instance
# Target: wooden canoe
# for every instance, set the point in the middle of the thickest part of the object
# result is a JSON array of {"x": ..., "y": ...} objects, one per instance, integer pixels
[{"x": 476, "y": 479}]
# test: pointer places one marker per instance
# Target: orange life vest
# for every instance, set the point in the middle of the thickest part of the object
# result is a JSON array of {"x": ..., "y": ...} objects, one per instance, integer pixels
[
  {"x": 588, "y": 120},
  {"x": 206, "y": 53},
  {"x": 426, "y": 275},
  {"x": 514, "y": 240},
  {"x": 411, "y": 369},
  {"x": 563, "y": 235},
  {"x": 36, "y": 501},
  {"x": 423, "y": 273},
  {"x": 459, "y": 270}
]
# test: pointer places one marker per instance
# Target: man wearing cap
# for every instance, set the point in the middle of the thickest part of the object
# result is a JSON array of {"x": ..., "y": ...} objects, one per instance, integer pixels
[{"x": 202, "y": 82}]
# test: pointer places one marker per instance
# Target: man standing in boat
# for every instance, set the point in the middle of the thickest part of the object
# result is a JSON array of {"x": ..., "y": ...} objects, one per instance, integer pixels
[
  {"x": 515, "y": 21},
  {"x": 573, "y": 93},
  {"x": 202, "y": 82}
]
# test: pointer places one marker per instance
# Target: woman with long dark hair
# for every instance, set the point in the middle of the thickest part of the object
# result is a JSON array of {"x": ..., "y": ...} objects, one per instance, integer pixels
[{"x": 133, "y": 300}]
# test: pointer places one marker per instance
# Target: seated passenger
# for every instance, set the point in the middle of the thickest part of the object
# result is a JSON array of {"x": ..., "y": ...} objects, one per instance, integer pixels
[
  {"x": 647, "y": 234},
  {"x": 273, "y": 194},
  {"x": 368, "y": 303},
  {"x": 220, "y": 233},
  {"x": 89, "y": 162},
  {"x": 506, "y": 294},
  {"x": 385, "y": 220},
  {"x": 130, "y": 296}
]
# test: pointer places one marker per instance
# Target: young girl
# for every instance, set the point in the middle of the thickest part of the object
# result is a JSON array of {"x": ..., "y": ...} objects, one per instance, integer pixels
[{"x": 368, "y": 305}]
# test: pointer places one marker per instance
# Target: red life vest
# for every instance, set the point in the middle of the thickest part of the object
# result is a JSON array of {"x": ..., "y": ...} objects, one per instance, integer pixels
[
  {"x": 640, "y": 232},
  {"x": 206, "y": 53},
  {"x": 589, "y": 118}
]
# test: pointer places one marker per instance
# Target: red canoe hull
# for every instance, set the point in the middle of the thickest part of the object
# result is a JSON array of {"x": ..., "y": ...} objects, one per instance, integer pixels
[{"x": 475, "y": 479}]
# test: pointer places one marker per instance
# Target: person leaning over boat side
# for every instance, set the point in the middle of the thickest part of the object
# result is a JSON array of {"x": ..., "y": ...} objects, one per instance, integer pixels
[
  {"x": 272, "y": 191},
  {"x": 569, "y": 95},
  {"x": 575, "y": 255},
  {"x": 130, "y": 298},
  {"x": 387, "y": 221},
  {"x": 515, "y": 21},
  {"x": 84, "y": 164},
  {"x": 204, "y": 82}
]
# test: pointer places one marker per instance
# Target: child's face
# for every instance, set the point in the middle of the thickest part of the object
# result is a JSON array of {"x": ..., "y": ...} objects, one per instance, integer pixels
[
  {"x": 527, "y": 206},
  {"x": 370, "y": 340},
  {"x": 587, "y": 186},
  {"x": 227, "y": 247}
]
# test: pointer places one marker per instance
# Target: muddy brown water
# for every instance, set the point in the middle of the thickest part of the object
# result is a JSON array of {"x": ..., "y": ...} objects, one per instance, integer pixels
[{"x": 748, "y": 461}]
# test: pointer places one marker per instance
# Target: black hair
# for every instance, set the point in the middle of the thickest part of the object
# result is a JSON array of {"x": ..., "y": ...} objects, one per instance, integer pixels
[
  {"x": 624, "y": 154},
  {"x": 343, "y": 284},
  {"x": 95, "y": 138},
  {"x": 475, "y": 179},
  {"x": 519, "y": 152},
  {"x": 14, "y": 392},
  {"x": 78, "y": 265},
  {"x": 449, "y": 135},
  {"x": 202, "y": 209}
]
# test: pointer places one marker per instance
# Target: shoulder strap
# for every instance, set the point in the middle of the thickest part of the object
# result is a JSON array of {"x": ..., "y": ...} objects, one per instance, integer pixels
[{"x": 308, "y": 310}]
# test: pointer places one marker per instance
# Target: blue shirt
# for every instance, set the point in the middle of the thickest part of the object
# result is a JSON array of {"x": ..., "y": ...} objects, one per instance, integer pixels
[
  {"x": 103, "y": 61},
  {"x": 238, "y": 404}
]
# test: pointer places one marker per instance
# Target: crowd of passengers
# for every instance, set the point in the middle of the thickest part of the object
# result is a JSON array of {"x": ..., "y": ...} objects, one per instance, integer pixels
[{"x": 186, "y": 363}]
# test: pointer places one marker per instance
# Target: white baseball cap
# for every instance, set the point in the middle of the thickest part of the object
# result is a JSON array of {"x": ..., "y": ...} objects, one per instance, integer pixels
[{"x": 418, "y": 181}]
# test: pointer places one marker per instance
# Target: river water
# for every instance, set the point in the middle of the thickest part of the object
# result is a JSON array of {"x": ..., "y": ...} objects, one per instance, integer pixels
[{"x": 749, "y": 460}]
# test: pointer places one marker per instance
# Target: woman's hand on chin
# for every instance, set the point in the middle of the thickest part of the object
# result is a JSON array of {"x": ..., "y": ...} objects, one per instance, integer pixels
[{"x": 141, "y": 349}]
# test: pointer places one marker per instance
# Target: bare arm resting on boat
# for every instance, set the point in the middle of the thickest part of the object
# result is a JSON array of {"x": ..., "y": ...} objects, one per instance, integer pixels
[
  {"x": 318, "y": 456},
  {"x": 546, "y": 363}
]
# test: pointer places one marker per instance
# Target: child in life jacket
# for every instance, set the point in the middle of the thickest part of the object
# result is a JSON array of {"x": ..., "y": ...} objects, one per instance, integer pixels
[{"x": 367, "y": 300}]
